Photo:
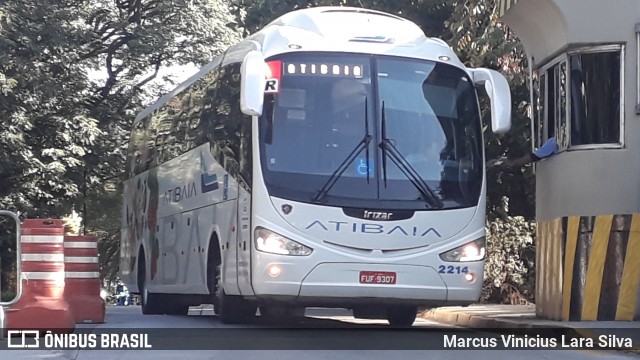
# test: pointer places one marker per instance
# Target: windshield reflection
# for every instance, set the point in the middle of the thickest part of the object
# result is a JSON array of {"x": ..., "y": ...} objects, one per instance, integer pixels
[{"x": 317, "y": 120}]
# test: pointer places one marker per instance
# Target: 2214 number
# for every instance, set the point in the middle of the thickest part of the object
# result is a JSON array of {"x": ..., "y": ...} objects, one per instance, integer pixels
[{"x": 452, "y": 269}]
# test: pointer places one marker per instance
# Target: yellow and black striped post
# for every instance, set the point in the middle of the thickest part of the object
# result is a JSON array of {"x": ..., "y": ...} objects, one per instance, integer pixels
[{"x": 589, "y": 268}]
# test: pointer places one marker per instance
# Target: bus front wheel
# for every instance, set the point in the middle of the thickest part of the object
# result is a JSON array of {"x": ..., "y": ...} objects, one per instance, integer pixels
[
  {"x": 231, "y": 309},
  {"x": 282, "y": 313}
]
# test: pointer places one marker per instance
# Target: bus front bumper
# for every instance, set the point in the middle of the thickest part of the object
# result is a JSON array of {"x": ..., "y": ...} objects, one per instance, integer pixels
[{"x": 352, "y": 283}]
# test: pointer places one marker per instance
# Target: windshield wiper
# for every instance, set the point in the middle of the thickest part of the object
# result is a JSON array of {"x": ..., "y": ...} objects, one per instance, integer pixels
[
  {"x": 363, "y": 144},
  {"x": 384, "y": 149},
  {"x": 388, "y": 149}
]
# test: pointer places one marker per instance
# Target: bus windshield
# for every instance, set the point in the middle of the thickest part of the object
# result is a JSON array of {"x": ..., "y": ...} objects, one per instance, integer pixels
[{"x": 371, "y": 131}]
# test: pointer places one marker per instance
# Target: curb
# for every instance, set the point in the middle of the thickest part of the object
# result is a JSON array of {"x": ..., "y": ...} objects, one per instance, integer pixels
[{"x": 469, "y": 319}]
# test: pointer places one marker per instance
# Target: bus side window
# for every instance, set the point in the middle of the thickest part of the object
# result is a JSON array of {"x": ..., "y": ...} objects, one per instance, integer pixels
[
  {"x": 208, "y": 113},
  {"x": 159, "y": 150},
  {"x": 196, "y": 126},
  {"x": 226, "y": 120},
  {"x": 151, "y": 142},
  {"x": 132, "y": 151},
  {"x": 198, "y": 116},
  {"x": 141, "y": 145}
]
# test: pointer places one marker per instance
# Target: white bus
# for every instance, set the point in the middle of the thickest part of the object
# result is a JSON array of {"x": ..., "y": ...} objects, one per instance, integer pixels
[{"x": 333, "y": 159}]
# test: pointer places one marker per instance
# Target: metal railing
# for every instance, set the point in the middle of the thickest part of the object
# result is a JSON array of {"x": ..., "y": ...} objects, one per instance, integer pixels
[{"x": 3, "y": 305}]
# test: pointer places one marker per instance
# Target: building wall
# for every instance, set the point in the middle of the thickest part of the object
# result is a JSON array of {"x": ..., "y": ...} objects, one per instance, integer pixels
[
  {"x": 585, "y": 182},
  {"x": 587, "y": 199}
]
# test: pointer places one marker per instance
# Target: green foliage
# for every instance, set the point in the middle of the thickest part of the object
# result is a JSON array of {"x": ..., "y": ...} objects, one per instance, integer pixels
[
  {"x": 429, "y": 14},
  {"x": 102, "y": 217},
  {"x": 510, "y": 265},
  {"x": 73, "y": 75}
]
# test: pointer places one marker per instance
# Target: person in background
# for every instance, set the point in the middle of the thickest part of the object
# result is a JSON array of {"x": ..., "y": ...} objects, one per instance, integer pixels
[
  {"x": 122, "y": 295},
  {"x": 549, "y": 148}
]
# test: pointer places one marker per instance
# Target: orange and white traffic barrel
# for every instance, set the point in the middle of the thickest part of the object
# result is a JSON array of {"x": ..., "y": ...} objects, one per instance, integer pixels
[
  {"x": 42, "y": 305},
  {"x": 82, "y": 279}
]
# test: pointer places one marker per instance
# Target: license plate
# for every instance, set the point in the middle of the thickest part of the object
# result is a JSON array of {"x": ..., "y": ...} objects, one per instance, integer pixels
[{"x": 377, "y": 277}]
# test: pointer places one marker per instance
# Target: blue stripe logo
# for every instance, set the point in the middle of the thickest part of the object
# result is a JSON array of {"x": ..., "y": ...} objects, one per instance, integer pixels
[{"x": 208, "y": 182}]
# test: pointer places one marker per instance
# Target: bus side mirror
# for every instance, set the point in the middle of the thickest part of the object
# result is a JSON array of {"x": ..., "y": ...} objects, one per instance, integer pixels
[
  {"x": 10, "y": 262},
  {"x": 253, "y": 73},
  {"x": 497, "y": 88}
]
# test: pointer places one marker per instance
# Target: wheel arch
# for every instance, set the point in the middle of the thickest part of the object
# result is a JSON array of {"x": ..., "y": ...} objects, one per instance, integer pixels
[{"x": 214, "y": 247}]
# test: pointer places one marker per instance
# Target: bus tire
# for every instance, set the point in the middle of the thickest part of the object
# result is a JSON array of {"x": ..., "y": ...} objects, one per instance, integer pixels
[
  {"x": 232, "y": 309},
  {"x": 173, "y": 305},
  {"x": 149, "y": 302},
  {"x": 369, "y": 312},
  {"x": 213, "y": 261},
  {"x": 282, "y": 313},
  {"x": 156, "y": 304},
  {"x": 402, "y": 316}
]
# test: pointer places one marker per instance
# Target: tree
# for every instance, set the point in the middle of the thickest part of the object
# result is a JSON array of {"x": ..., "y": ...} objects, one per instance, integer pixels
[
  {"x": 73, "y": 75},
  {"x": 45, "y": 132},
  {"x": 428, "y": 14}
]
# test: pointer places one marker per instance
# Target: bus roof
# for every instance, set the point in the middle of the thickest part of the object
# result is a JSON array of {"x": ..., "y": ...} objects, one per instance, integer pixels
[
  {"x": 349, "y": 29},
  {"x": 344, "y": 22},
  {"x": 335, "y": 29}
]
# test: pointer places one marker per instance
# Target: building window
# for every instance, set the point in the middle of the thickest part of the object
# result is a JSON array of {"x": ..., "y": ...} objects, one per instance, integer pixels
[
  {"x": 542, "y": 135},
  {"x": 595, "y": 95},
  {"x": 562, "y": 134},
  {"x": 580, "y": 98},
  {"x": 536, "y": 110}
]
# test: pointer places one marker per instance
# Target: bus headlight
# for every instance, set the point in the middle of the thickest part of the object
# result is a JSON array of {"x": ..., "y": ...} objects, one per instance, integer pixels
[
  {"x": 473, "y": 251},
  {"x": 273, "y": 243}
]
